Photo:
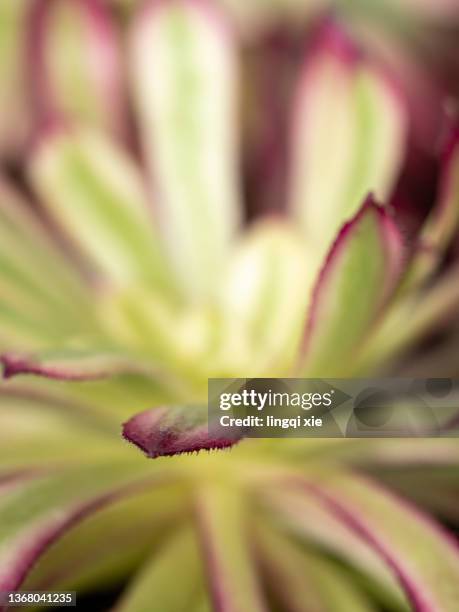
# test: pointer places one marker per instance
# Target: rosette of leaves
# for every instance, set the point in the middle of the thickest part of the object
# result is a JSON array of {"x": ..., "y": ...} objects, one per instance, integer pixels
[{"x": 128, "y": 278}]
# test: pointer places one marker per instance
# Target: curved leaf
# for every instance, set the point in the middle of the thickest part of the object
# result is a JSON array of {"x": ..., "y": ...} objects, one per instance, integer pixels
[
  {"x": 303, "y": 516},
  {"x": 305, "y": 582},
  {"x": 172, "y": 579},
  {"x": 106, "y": 549},
  {"x": 33, "y": 516},
  {"x": 41, "y": 429},
  {"x": 423, "y": 557},
  {"x": 417, "y": 483},
  {"x": 358, "y": 277}
]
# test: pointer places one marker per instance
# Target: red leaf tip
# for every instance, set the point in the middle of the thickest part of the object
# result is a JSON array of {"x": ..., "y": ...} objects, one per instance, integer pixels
[
  {"x": 163, "y": 431},
  {"x": 12, "y": 365},
  {"x": 331, "y": 37}
]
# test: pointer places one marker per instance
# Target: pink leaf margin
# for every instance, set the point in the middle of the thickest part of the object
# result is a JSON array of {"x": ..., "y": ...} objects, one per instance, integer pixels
[
  {"x": 392, "y": 243},
  {"x": 156, "y": 434}
]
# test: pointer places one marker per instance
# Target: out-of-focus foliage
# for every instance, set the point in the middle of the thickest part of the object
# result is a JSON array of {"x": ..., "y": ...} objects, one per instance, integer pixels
[{"x": 235, "y": 189}]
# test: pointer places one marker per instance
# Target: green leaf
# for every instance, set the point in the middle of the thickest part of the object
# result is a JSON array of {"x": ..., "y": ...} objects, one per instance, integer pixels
[
  {"x": 39, "y": 429},
  {"x": 224, "y": 525},
  {"x": 423, "y": 556},
  {"x": 182, "y": 339},
  {"x": 95, "y": 192},
  {"x": 33, "y": 514},
  {"x": 106, "y": 382},
  {"x": 105, "y": 549},
  {"x": 271, "y": 272},
  {"x": 348, "y": 138},
  {"x": 303, "y": 581},
  {"x": 358, "y": 278},
  {"x": 172, "y": 579},
  {"x": 411, "y": 318},
  {"x": 305, "y": 517},
  {"x": 43, "y": 297},
  {"x": 184, "y": 69},
  {"x": 14, "y": 120},
  {"x": 76, "y": 63}
]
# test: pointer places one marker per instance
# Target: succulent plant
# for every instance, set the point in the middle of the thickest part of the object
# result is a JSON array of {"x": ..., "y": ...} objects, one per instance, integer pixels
[{"x": 129, "y": 276}]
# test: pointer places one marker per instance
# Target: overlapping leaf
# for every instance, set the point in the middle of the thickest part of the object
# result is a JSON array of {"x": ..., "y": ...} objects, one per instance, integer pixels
[
  {"x": 35, "y": 513},
  {"x": 305, "y": 518},
  {"x": 303, "y": 581},
  {"x": 422, "y": 556},
  {"x": 105, "y": 548},
  {"x": 358, "y": 277}
]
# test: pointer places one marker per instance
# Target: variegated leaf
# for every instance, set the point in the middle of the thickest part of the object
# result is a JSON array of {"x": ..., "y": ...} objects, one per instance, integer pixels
[
  {"x": 358, "y": 278},
  {"x": 348, "y": 137},
  {"x": 96, "y": 193},
  {"x": 184, "y": 71},
  {"x": 75, "y": 55}
]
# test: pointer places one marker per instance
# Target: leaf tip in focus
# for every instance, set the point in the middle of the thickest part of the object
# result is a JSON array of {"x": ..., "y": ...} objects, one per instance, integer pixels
[{"x": 163, "y": 431}]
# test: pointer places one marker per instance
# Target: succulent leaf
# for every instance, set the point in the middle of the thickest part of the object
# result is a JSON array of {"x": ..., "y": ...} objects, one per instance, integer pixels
[
  {"x": 305, "y": 582},
  {"x": 42, "y": 297},
  {"x": 96, "y": 194},
  {"x": 222, "y": 515},
  {"x": 35, "y": 514},
  {"x": 76, "y": 64},
  {"x": 127, "y": 279},
  {"x": 40, "y": 431},
  {"x": 348, "y": 137},
  {"x": 72, "y": 366},
  {"x": 305, "y": 517},
  {"x": 14, "y": 109},
  {"x": 184, "y": 70},
  {"x": 167, "y": 431},
  {"x": 270, "y": 270},
  {"x": 423, "y": 557},
  {"x": 442, "y": 223},
  {"x": 410, "y": 319},
  {"x": 359, "y": 276},
  {"x": 177, "y": 562}
]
